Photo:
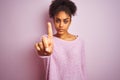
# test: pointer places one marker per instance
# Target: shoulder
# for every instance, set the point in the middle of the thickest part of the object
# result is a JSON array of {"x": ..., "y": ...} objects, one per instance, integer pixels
[{"x": 80, "y": 40}]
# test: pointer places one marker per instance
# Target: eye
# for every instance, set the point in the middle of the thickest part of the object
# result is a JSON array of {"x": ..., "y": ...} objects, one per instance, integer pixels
[
  {"x": 57, "y": 21},
  {"x": 65, "y": 21}
]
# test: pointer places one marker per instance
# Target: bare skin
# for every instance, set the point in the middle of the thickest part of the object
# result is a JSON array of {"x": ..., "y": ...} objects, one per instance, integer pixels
[{"x": 61, "y": 21}]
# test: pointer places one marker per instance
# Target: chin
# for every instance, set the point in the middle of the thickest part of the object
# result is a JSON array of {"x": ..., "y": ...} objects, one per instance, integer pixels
[{"x": 60, "y": 33}]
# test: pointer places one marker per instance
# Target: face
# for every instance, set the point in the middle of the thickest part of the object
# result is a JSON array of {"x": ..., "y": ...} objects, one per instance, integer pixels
[{"x": 62, "y": 21}]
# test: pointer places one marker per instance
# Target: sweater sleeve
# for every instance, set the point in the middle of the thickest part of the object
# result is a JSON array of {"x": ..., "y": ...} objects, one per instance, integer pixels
[{"x": 83, "y": 62}]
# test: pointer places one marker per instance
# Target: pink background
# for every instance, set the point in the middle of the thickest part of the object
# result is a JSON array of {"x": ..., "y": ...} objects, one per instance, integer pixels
[{"x": 22, "y": 22}]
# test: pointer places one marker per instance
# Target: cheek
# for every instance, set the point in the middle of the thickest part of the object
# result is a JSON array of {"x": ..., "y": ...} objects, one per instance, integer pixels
[
  {"x": 56, "y": 26},
  {"x": 67, "y": 26}
]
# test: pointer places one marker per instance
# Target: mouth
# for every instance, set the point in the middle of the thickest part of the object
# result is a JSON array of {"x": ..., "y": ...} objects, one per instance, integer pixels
[{"x": 60, "y": 30}]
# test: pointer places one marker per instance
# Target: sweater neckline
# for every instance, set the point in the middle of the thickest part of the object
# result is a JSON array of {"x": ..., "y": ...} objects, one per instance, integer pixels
[{"x": 69, "y": 41}]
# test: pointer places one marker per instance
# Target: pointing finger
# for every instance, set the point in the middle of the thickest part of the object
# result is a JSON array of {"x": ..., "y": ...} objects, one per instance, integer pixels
[{"x": 50, "y": 33}]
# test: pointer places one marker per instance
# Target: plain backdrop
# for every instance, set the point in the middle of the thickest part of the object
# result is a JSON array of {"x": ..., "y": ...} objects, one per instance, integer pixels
[{"x": 23, "y": 22}]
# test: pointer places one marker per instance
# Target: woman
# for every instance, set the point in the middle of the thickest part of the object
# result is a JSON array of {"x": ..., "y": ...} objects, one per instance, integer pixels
[{"x": 63, "y": 52}]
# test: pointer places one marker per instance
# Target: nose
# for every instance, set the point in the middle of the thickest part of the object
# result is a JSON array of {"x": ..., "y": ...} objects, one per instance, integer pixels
[{"x": 61, "y": 24}]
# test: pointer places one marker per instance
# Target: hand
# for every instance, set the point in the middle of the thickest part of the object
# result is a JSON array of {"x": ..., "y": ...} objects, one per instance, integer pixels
[{"x": 45, "y": 47}]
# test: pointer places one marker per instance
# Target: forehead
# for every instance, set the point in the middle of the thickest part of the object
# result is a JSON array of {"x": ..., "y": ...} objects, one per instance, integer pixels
[{"x": 62, "y": 15}]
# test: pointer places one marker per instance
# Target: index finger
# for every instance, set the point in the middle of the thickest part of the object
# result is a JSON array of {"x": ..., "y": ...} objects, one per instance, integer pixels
[{"x": 50, "y": 33}]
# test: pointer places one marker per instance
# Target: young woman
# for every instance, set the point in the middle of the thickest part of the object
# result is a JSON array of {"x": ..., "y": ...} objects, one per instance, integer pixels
[{"x": 63, "y": 53}]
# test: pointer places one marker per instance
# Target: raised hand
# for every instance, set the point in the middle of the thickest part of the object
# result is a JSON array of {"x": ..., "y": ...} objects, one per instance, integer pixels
[{"x": 45, "y": 46}]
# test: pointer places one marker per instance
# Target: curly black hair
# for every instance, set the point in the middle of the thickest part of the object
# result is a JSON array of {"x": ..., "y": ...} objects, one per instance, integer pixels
[{"x": 62, "y": 5}]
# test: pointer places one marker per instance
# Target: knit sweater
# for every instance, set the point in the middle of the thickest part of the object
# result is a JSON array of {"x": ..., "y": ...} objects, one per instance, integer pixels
[{"x": 67, "y": 62}]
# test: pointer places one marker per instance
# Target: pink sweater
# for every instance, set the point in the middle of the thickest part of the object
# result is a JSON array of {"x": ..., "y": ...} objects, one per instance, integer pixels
[{"x": 67, "y": 61}]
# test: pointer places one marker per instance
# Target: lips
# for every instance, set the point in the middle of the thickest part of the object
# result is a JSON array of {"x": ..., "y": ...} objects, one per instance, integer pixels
[{"x": 60, "y": 30}]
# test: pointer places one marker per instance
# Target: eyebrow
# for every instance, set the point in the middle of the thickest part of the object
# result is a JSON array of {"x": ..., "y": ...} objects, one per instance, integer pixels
[{"x": 63, "y": 19}]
